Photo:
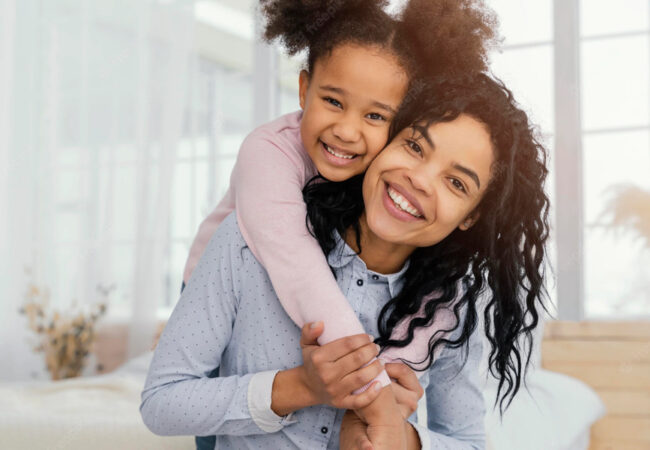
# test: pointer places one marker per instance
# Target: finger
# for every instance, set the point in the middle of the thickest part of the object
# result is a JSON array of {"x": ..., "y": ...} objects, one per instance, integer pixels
[
  {"x": 341, "y": 347},
  {"x": 404, "y": 376},
  {"x": 359, "y": 378},
  {"x": 310, "y": 333},
  {"x": 404, "y": 396},
  {"x": 406, "y": 400},
  {"x": 363, "y": 443},
  {"x": 357, "y": 358},
  {"x": 358, "y": 401}
]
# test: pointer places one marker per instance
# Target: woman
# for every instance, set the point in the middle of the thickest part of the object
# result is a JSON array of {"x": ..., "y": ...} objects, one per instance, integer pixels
[{"x": 440, "y": 196}]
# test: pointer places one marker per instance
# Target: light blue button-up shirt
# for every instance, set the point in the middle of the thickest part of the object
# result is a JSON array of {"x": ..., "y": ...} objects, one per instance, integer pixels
[{"x": 229, "y": 317}]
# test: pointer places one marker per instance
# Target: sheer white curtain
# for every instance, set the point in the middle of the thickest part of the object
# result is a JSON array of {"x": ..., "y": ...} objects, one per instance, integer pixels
[{"x": 93, "y": 101}]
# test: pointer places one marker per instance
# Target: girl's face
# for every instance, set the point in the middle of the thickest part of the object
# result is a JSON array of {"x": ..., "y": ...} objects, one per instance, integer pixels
[
  {"x": 427, "y": 182},
  {"x": 348, "y": 104}
]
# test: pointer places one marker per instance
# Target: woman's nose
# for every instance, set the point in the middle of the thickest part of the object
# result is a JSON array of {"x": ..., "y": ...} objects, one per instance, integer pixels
[{"x": 421, "y": 179}]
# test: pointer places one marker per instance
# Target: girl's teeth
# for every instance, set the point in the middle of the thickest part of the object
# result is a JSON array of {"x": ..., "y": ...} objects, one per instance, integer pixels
[
  {"x": 402, "y": 203},
  {"x": 338, "y": 155}
]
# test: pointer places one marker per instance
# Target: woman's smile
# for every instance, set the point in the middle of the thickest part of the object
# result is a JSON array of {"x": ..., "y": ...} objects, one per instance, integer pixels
[{"x": 398, "y": 206}]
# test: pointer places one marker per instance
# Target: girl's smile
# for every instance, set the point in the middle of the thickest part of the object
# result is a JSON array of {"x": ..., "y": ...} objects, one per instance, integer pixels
[{"x": 337, "y": 156}]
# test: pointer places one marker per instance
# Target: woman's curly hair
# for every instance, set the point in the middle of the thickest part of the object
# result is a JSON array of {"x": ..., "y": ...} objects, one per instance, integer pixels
[
  {"x": 429, "y": 37},
  {"x": 500, "y": 260}
]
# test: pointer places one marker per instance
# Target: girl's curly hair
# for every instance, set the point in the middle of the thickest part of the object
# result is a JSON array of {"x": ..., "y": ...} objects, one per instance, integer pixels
[
  {"x": 429, "y": 37},
  {"x": 500, "y": 258}
]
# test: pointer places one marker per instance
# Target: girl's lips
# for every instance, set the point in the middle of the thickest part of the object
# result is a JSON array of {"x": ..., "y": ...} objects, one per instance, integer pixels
[
  {"x": 394, "y": 210},
  {"x": 335, "y": 159}
]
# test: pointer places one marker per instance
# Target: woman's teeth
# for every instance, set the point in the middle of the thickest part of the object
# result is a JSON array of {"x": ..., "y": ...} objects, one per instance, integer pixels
[
  {"x": 338, "y": 155},
  {"x": 402, "y": 203}
]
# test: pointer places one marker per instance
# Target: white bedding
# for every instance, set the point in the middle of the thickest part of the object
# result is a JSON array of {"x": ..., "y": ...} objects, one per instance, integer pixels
[
  {"x": 555, "y": 413},
  {"x": 102, "y": 412},
  {"x": 98, "y": 412}
]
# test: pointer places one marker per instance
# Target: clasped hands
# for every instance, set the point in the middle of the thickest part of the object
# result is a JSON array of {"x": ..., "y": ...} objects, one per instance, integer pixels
[{"x": 376, "y": 418}]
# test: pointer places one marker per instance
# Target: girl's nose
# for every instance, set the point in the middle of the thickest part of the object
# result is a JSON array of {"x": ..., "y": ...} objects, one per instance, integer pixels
[{"x": 347, "y": 129}]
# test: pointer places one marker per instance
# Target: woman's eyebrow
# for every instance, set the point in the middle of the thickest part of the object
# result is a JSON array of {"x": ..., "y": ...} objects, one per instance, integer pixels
[
  {"x": 375, "y": 103},
  {"x": 469, "y": 172},
  {"x": 424, "y": 132}
]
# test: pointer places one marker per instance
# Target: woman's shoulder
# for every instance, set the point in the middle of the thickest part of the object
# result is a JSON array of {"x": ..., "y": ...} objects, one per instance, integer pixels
[{"x": 228, "y": 238}]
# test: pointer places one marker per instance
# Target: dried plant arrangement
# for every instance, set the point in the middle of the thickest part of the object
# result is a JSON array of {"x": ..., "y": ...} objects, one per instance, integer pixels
[
  {"x": 65, "y": 338},
  {"x": 628, "y": 209}
]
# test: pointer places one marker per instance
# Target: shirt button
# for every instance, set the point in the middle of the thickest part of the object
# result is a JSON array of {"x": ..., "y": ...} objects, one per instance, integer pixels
[
  {"x": 359, "y": 282},
  {"x": 324, "y": 430},
  {"x": 375, "y": 277}
]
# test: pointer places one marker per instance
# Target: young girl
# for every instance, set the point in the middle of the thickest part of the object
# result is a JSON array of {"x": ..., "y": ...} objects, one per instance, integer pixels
[{"x": 360, "y": 64}]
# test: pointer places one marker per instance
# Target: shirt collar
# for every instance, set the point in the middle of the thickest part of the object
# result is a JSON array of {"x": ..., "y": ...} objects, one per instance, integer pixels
[{"x": 342, "y": 255}]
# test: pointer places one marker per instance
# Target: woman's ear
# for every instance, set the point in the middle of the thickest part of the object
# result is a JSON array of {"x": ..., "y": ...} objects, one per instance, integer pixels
[
  {"x": 303, "y": 85},
  {"x": 469, "y": 221}
]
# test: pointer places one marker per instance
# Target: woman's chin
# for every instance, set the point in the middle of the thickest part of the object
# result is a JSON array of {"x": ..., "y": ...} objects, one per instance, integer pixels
[{"x": 386, "y": 229}]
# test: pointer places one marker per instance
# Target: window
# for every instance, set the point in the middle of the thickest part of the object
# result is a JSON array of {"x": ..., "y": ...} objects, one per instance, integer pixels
[{"x": 615, "y": 88}]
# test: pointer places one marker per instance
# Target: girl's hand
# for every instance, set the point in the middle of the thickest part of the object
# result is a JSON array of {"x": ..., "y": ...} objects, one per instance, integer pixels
[
  {"x": 353, "y": 433},
  {"x": 332, "y": 371},
  {"x": 406, "y": 387}
]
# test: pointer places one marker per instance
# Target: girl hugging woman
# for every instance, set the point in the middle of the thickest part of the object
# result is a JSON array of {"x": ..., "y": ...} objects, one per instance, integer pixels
[
  {"x": 463, "y": 158},
  {"x": 445, "y": 219}
]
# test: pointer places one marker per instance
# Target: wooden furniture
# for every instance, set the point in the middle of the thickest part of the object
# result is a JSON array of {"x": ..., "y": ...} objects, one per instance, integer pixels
[{"x": 614, "y": 359}]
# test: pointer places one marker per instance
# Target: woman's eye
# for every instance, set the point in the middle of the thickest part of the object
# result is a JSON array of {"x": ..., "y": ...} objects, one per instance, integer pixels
[
  {"x": 458, "y": 185},
  {"x": 414, "y": 146},
  {"x": 376, "y": 116},
  {"x": 332, "y": 101}
]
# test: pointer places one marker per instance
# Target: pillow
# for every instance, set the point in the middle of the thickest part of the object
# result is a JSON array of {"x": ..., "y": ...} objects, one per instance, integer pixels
[{"x": 555, "y": 413}]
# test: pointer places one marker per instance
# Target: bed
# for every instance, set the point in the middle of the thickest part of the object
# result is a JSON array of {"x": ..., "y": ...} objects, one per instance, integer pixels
[{"x": 102, "y": 412}]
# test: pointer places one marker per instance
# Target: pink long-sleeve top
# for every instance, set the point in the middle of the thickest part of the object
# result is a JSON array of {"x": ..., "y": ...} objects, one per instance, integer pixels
[{"x": 266, "y": 187}]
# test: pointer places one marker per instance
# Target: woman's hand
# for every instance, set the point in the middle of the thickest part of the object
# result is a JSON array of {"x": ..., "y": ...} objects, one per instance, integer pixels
[
  {"x": 333, "y": 371},
  {"x": 353, "y": 433},
  {"x": 406, "y": 387}
]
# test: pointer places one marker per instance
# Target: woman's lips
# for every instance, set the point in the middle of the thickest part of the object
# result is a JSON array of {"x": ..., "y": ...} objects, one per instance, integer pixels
[
  {"x": 395, "y": 210},
  {"x": 343, "y": 160}
]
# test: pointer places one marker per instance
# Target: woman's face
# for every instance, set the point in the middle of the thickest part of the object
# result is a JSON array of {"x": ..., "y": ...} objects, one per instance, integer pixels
[{"x": 427, "y": 182}]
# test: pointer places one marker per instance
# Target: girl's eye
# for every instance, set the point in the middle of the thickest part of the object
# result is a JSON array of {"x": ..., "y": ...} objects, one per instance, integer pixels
[
  {"x": 414, "y": 146},
  {"x": 332, "y": 101},
  {"x": 458, "y": 185},
  {"x": 376, "y": 116}
]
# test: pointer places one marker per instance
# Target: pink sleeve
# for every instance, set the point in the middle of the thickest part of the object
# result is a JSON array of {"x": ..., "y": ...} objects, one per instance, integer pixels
[{"x": 268, "y": 182}]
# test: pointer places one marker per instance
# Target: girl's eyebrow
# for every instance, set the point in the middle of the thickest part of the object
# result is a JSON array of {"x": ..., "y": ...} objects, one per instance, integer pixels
[{"x": 338, "y": 90}]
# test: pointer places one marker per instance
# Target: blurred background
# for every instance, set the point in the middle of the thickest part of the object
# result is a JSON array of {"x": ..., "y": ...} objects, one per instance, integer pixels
[{"x": 120, "y": 122}]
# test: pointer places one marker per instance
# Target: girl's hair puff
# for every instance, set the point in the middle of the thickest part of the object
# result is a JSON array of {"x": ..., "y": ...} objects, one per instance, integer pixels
[
  {"x": 320, "y": 26},
  {"x": 448, "y": 38}
]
